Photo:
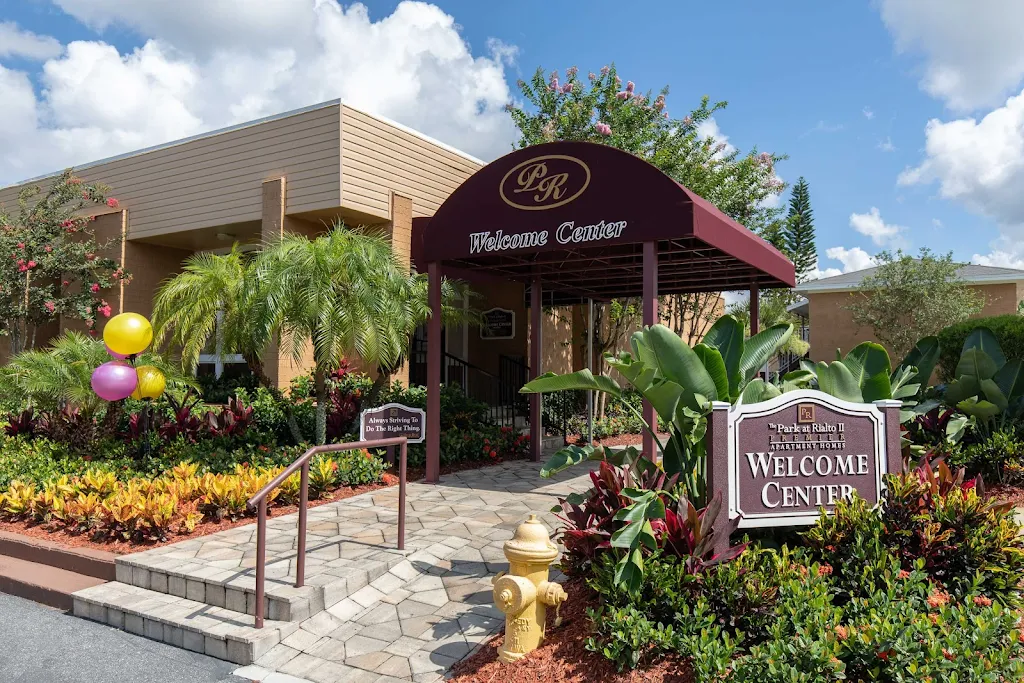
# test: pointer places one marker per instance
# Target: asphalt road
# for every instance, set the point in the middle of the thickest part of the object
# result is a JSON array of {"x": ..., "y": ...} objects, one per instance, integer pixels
[{"x": 43, "y": 645}]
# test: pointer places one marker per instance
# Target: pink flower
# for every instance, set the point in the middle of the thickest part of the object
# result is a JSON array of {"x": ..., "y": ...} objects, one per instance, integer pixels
[
  {"x": 105, "y": 310},
  {"x": 664, "y": 115},
  {"x": 88, "y": 310},
  {"x": 765, "y": 158},
  {"x": 567, "y": 88},
  {"x": 74, "y": 181},
  {"x": 604, "y": 70},
  {"x": 95, "y": 287},
  {"x": 65, "y": 283},
  {"x": 571, "y": 72},
  {"x": 48, "y": 249},
  {"x": 20, "y": 261},
  {"x": 90, "y": 256},
  {"x": 22, "y": 268},
  {"x": 85, "y": 194},
  {"x": 623, "y": 95},
  {"x": 21, "y": 245},
  {"x": 31, "y": 264},
  {"x": 50, "y": 306},
  {"x": 630, "y": 86},
  {"x": 112, "y": 203},
  {"x": 592, "y": 76},
  {"x": 553, "y": 86},
  {"x": 687, "y": 120},
  {"x": 603, "y": 128},
  {"x": 659, "y": 102}
]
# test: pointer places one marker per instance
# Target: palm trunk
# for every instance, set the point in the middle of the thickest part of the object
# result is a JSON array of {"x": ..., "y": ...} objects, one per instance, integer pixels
[
  {"x": 382, "y": 380},
  {"x": 320, "y": 382}
]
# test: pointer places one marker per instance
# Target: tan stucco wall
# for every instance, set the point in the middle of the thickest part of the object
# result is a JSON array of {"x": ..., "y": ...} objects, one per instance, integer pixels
[{"x": 832, "y": 326}]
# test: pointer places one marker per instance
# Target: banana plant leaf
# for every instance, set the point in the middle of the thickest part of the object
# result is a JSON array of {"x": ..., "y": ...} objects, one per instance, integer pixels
[
  {"x": 679, "y": 363},
  {"x": 837, "y": 380},
  {"x": 976, "y": 363},
  {"x": 983, "y": 339},
  {"x": 982, "y": 410},
  {"x": 726, "y": 335},
  {"x": 715, "y": 366},
  {"x": 1010, "y": 379},
  {"x": 762, "y": 346},
  {"x": 994, "y": 395},
  {"x": 868, "y": 362},
  {"x": 581, "y": 379},
  {"x": 962, "y": 389},
  {"x": 923, "y": 357},
  {"x": 757, "y": 390}
]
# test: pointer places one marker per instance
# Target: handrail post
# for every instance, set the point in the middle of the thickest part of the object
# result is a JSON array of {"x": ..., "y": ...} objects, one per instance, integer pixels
[
  {"x": 402, "y": 453},
  {"x": 261, "y": 559},
  {"x": 300, "y": 557}
]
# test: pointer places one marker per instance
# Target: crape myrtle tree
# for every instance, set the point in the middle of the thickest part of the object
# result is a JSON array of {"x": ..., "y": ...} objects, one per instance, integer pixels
[
  {"x": 908, "y": 298},
  {"x": 600, "y": 108},
  {"x": 51, "y": 264}
]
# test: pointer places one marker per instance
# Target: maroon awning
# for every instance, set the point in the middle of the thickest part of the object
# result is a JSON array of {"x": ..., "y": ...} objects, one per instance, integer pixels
[{"x": 576, "y": 215}]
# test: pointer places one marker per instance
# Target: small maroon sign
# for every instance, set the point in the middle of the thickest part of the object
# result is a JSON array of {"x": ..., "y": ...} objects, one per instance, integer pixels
[
  {"x": 784, "y": 460},
  {"x": 392, "y": 420},
  {"x": 544, "y": 182}
]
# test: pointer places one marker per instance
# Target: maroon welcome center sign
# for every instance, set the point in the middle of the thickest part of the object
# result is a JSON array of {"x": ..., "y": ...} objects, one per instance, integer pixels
[{"x": 778, "y": 463}]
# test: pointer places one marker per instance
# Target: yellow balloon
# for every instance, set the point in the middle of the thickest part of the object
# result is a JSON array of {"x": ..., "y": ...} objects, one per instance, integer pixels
[
  {"x": 151, "y": 382},
  {"x": 128, "y": 334}
]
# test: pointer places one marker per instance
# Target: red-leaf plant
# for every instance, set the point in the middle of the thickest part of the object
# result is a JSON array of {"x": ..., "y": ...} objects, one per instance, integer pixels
[{"x": 592, "y": 521}]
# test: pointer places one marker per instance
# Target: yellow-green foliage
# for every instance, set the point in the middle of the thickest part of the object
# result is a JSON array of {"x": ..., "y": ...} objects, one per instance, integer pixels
[{"x": 148, "y": 509}]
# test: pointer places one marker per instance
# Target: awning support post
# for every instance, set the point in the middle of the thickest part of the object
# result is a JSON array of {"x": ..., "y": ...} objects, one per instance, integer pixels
[
  {"x": 590, "y": 366},
  {"x": 650, "y": 317},
  {"x": 755, "y": 309},
  {"x": 536, "y": 321},
  {"x": 434, "y": 373}
]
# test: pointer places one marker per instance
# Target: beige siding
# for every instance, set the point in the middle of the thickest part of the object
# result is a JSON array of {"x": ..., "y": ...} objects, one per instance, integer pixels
[
  {"x": 378, "y": 157},
  {"x": 216, "y": 180}
]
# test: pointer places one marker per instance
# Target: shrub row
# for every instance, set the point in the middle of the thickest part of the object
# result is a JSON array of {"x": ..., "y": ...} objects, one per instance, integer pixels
[
  {"x": 1009, "y": 330},
  {"x": 145, "y": 509}
]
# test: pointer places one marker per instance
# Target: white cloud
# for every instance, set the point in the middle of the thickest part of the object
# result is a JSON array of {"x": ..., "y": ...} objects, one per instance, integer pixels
[
  {"x": 16, "y": 42},
  {"x": 824, "y": 127},
  {"x": 852, "y": 259},
  {"x": 936, "y": 222},
  {"x": 886, "y": 145},
  {"x": 872, "y": 225},
  {"x": 709, "y": 129},
  {"x": 868, "y": 113},
  {"x": 973, "y": 49},
  {"x": 979, "y": 163},
  {"x": 240, "y": 60},
  {"x": 1000, "y": 259}
]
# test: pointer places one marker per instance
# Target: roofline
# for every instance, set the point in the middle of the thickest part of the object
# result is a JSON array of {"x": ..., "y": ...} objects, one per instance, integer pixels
[
  {"x": 240, "y": 126},
  {"x": 821, "y": 286}
]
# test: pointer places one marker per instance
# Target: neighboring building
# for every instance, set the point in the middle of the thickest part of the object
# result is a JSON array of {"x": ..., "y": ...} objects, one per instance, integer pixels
[
  {"x": 299, "y": 172},
  {"x": 832, "y": 326}
]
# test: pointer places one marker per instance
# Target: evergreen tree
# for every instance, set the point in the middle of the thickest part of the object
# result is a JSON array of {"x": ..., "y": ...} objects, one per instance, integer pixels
[{"x": 799, "y": 231}]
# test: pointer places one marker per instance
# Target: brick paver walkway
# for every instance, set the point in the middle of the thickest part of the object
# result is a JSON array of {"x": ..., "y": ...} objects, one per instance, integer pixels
[{"x": 384, "y": 615}]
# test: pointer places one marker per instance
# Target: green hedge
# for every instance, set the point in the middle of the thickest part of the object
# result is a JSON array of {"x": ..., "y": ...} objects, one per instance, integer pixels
[{"x": 1009, "y": 330}]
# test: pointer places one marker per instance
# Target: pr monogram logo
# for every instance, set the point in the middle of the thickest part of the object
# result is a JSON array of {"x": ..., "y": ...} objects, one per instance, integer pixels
[{"x": 544, "y": 182}]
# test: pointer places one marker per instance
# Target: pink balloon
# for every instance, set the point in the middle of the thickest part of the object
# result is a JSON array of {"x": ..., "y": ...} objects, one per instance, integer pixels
[
  {"x": 115, "y": 354},
  {"x": 114, "y": 380}
]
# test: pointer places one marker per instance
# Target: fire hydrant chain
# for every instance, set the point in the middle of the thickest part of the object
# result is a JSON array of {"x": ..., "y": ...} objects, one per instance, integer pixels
[{"x": 525, "y": 593}]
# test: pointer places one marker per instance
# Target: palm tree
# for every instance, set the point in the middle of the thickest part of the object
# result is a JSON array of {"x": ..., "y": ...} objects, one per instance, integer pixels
[
  {"x": 61, "y": 375},
  {"x": 344, "y": 293},
  {"x": 214, "y": 299},
  {"x": 347, "y": 295}
]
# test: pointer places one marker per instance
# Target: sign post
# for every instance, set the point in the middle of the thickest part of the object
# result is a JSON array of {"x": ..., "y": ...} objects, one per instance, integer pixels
[
  {"x": 392, "y": 420},
  {"x": 778, "y": 463}
]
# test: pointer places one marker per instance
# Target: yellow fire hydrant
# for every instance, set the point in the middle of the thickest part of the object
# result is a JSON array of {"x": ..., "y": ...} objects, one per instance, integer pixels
[{"x": 524, "y": 593}]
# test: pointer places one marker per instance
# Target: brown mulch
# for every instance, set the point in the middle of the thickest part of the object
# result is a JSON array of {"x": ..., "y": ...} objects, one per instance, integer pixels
[
  {"x": 1006, "y": 493},
  {"x": 70, "y": 539},
  {"x": 617, "y": 440},
  {"x": 563, "y": 658}
]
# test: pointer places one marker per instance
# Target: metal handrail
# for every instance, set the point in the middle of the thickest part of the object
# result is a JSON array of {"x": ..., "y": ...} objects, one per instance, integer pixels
[{"x": 302, "y": 463}]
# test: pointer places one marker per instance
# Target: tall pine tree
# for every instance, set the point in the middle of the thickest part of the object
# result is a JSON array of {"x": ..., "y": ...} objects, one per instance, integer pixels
[{"x": 799, "y": 231}]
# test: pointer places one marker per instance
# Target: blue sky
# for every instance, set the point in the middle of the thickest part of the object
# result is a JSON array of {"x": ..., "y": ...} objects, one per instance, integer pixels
[{"x": 847, "y": 89}]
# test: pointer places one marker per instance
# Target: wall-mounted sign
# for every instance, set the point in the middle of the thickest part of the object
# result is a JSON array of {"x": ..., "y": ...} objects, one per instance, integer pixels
[
  {"x": 544, "y": 182},
  {"x": 778, "y": 463},
  {"x": 498, "y": 323},
  {"x": 392, "y": 420}
]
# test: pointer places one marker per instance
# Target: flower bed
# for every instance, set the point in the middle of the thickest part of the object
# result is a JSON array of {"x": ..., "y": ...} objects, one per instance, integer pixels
[{"x": 928, "y": 586}]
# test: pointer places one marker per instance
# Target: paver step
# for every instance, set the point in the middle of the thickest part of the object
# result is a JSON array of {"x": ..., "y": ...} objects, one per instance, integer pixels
[
  {"x": 196, "y": 626},
  {"x": 236, "y": 589},
  {"x": 42, "y": 583}
]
